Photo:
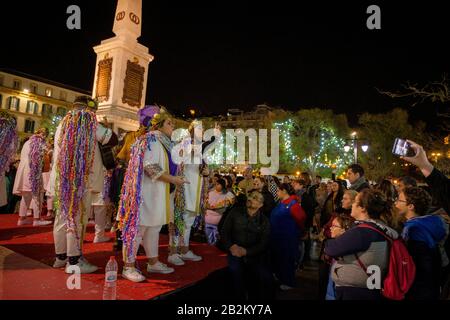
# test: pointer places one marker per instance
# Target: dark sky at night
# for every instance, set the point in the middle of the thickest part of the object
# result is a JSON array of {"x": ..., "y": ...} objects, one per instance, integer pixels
[{"x": 219, "y": 55}]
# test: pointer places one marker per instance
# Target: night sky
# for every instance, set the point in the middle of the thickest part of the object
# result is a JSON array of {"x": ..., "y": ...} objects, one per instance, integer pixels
[{"x": 215, "y": 56}]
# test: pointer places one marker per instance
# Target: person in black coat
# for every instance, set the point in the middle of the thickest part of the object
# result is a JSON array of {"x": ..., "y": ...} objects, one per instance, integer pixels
[
  {"x": 245, "y": 235},
  {"x": 438, "y": 182}
]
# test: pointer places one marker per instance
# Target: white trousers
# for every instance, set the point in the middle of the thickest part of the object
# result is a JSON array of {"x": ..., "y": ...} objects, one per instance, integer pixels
[
  {"x": 49, "y": 203},
  {"x": 149, "y": 237},
  {"x": 28, "y": 201},
  {"x": 189, "y": 218},
  {"x": 100, "y": 220},
  {"x": 71, "y": 241}
]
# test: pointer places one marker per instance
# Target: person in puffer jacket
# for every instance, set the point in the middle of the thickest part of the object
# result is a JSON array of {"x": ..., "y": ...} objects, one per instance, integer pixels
[
  {"x": 361, "y": 245},
  {"x": 422, "y": 234}
]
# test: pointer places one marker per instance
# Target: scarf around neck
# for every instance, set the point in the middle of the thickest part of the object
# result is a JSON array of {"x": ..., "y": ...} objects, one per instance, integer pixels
[{"x": 358, "y": 183}]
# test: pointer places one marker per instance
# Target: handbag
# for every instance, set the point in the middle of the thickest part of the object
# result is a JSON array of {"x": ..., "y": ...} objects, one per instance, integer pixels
[{"x": 108, "y": 159}]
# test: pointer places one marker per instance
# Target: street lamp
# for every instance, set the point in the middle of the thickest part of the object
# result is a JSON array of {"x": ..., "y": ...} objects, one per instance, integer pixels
[
  {"x": 354, "y": 140},
  {"x": 346, "y": 148}
]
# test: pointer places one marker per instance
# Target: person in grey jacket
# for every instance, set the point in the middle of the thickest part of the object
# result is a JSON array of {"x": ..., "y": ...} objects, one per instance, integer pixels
[{"x": 361, "y": 245}]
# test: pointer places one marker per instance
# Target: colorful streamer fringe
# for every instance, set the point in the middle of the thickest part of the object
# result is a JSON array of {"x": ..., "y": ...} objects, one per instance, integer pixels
[
  {"x": 130, "y": 197},
  {"x": 179, "y": 210},
  {"x": 36, "y": 160},
  {"x": 199, "y": 222},
  {"x": 75, "y": 160},
  {"x": 8, "y": 140}
]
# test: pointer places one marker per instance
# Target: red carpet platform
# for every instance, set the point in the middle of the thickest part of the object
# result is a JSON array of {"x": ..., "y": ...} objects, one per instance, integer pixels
[{"x": 27, "y": 253}]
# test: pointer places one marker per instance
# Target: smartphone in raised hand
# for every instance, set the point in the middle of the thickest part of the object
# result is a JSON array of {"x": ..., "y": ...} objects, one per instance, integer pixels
[{"x": 402, "y": 148}]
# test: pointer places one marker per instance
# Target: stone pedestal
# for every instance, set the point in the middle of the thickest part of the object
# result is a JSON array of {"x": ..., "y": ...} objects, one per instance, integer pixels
[{"x": 121, "y": 71}]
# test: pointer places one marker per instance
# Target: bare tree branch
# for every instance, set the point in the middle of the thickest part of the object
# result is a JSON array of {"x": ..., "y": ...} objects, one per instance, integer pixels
[{"x": 437, "y": 91}]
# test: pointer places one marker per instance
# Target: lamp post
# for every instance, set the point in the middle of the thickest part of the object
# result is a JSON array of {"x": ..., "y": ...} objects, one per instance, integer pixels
[{"x": 354, "y": 140}]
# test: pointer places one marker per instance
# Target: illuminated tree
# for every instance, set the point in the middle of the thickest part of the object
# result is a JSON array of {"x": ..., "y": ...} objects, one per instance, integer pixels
[
  {"x": 51, "y": 122},
  {"x": 311, "y": 140}
]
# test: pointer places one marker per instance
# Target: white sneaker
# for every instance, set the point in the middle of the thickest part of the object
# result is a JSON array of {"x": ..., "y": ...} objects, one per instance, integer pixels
[
  {"x": 285, "y": 287},
  {"x": 23, "y": 222},
  {"x": 175, "y": 259},
  {"x": 84, "y": 266},
  {"x": 133, "y": 274},
  {"x": 101, "y": 239},
  {"x": 37, "y": 223},
  {"x": 190, "y": 256},
  {"x": 159, "y": 268},
  {"x": 60, "y": 263}
]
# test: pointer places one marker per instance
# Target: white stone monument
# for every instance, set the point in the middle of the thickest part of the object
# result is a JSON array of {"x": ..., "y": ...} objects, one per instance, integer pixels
[{"x": 122, "y": 69}]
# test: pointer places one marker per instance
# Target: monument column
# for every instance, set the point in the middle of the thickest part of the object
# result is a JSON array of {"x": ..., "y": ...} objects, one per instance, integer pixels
[{"x": 121, "y": 70}]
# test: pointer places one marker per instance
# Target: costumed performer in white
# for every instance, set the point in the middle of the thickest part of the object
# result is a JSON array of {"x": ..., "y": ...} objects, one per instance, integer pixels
[
  {"x": 77, "y": 175},
  {"x": 196, "y": 172},
  {"x": 29, "y": 183},
  {"x": 147, "y": 199}
]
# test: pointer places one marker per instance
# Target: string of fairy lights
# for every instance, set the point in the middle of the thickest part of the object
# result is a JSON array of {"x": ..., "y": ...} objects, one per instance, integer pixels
[
  {"x": 285, "y": 128},
  {"x": 223, "y": 152},
  {"x": 329, "y": 144}
]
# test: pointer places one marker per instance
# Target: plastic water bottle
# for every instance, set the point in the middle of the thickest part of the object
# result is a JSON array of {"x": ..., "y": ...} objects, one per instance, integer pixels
[
  {"x": 109, "y": 290},
  {"x": 314, "y": 252}
]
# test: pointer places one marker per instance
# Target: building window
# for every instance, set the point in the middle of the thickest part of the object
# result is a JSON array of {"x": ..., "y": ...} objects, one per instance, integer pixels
[
  {"x": 13, "y": 103},
  {"x": 32, "y": 107},
  {"x": 29, "y": 126},
  {"x": 61, "y": 111},
  {"x": 63, "y": 95},
  {"x": 17, "y": 84},
  {"x": 47, "y": 109},
  {"x": 48, "y": 92},
  {"x": 33, "y": 88}
]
